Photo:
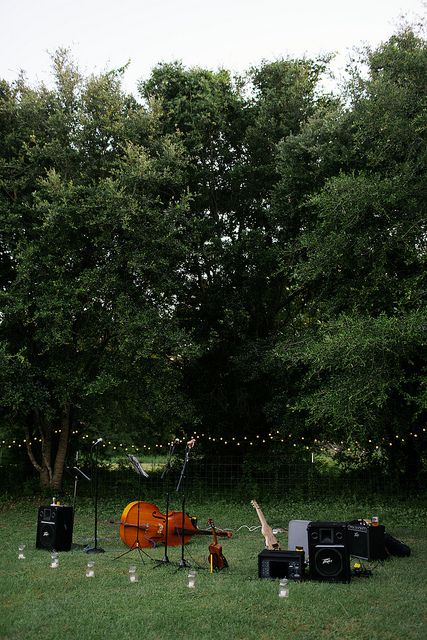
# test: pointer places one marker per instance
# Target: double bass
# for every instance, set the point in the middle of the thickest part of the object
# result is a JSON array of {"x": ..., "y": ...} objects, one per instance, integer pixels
[{"x": 142, "y": 524}]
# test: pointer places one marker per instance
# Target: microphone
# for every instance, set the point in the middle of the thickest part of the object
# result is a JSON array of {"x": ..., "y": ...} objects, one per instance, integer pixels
[{"x": 173, "y": 444}]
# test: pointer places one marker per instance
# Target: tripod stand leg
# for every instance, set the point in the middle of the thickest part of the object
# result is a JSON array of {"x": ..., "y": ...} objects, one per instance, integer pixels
[{"x": 133, "y": 548}]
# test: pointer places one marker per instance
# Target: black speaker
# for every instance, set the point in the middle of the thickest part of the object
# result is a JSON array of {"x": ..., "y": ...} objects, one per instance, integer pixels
[
  {"x": 365, "y": 541},
  {"x": 54, "y": 528},
  {"x": 329, "y": 557},
  {"x": 281, "y": 564}
]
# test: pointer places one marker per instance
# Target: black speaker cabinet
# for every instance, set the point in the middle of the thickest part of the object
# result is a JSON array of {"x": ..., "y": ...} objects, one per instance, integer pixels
[
  {"x": 329, "y": 557},
  {"x": 281, "y": 564},
  {"x": 365, "y": 541},
  {"x": 54, "y": 528}
]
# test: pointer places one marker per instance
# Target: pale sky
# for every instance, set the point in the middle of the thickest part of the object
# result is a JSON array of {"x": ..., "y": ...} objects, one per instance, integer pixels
[{"x": 235, "y": 34}]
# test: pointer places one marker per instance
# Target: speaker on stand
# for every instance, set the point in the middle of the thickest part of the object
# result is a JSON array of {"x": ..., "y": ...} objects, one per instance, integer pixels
[
  {"x": 329, "y": 558},
  {"x": 54, "y": 528}
]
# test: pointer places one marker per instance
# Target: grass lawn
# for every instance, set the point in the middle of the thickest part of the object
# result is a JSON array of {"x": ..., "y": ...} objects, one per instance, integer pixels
[{"x": 62, "y": 604}]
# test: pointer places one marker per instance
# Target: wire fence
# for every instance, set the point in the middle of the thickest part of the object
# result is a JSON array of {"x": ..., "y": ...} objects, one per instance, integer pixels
[{"x": 233, "y": 478}]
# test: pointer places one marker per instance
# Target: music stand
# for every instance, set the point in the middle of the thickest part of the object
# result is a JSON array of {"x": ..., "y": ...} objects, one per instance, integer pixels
[
  {"x": 95, "y": 548},
  {"x": 141, "y": 473},
  {"x": 137, "y": 465},
  {"x": 181, "y": 482}
]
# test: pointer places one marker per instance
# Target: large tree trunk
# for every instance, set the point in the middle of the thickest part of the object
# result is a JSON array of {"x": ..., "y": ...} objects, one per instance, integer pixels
[
  {"x": 61, "y": 454},
  {"x": 50, "y": 475}
]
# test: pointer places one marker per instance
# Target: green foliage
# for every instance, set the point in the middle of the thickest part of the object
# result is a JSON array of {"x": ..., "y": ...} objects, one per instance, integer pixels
[
  {"x": 363, "y": 371},
  {"x": 91, "y": 257},
  {"x": 356, "y": 349}
]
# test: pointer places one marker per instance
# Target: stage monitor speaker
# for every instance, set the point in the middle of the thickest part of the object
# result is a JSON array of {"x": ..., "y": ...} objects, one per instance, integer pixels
[
  {"x": 297, "y": 535},
  {"x": 329, "y": 558},
  {"x": 54, "y": 528},
  {"x": 365, "y": 541},
  {"x": 281, "y": 564}
]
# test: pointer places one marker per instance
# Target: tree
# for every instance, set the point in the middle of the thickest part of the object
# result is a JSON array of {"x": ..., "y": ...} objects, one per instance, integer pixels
[
  {"x": 90, "y": 260},
  {"x": 234, "y": 290},
  {"x": 358, "y": 345}
]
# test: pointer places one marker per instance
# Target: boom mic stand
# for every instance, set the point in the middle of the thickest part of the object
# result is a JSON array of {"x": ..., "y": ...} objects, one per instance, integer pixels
[
  {"x": 181, "y": 482},
  {"x": 77, "y": 474},
  {"x": 141, "y": 473},
  {"x": 95, "y": 548}
]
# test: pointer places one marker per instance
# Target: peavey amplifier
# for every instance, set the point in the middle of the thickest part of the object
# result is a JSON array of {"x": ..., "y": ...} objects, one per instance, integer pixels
[
  {"x": 365, "y": 541},
  {"x": 281, "y": 564},
  {"x": 54, "y": 528}
]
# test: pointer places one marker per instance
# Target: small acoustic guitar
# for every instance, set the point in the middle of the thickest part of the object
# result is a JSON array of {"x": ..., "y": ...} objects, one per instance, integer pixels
[{"x": 217, "y": 560}]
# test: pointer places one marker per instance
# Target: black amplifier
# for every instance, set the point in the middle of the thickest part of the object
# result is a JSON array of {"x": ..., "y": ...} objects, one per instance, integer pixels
[
  {"x": 281, "y": 564},
  {"x": 366, "y": 541}
]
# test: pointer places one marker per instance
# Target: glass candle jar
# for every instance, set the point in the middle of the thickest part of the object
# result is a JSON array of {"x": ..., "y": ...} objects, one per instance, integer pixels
[
  {"x": 54, "y": 560},
  {"x": 133, "y": 576},
  {"x": 90, "y": 570},
  {"x": 283, "y": 588},
  {"x": 21, "y": 554},
  {"x": 191, "y": 579}
]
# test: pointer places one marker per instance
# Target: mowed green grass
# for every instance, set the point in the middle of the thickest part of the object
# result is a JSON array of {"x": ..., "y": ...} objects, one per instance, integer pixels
[{"x": 62, "y": 604}]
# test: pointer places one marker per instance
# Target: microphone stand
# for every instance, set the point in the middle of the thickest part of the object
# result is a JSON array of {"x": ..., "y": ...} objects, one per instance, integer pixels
[
  {"x": 95, "y": 548},
  {"x": 165, "y": 474},
  {"x": 77, "y": 474},
  {"x": 190, "y": 444}
]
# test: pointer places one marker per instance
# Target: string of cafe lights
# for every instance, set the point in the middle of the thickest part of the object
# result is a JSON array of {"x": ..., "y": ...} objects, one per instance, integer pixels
[{"x": 294, "y": 441}]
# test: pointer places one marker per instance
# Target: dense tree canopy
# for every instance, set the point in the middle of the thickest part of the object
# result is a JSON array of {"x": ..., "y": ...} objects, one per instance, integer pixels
[
  {"x": 92, "y": 250},
  {"x": 360, "y": 346},
  {"x": 239, "y": 253}
]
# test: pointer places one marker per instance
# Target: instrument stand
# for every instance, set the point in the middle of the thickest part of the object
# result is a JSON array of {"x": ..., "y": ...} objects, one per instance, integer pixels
[
  {"x": 181, "y": 483},
  {"x": 95, "y": 548},
  {"x": 136, "y": 545}
]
